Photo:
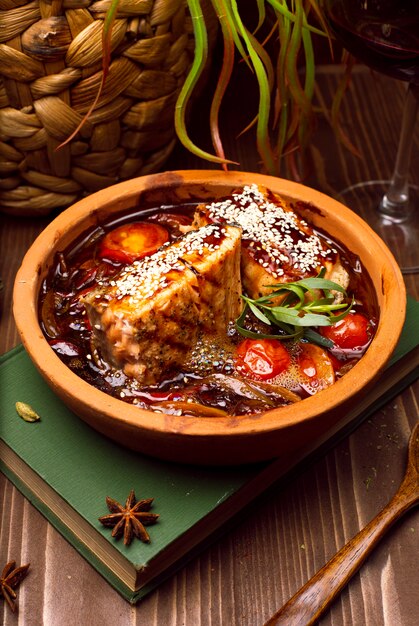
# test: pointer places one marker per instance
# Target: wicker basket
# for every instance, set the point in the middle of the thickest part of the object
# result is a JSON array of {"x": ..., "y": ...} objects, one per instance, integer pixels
[{"x": 50, "y": 71}]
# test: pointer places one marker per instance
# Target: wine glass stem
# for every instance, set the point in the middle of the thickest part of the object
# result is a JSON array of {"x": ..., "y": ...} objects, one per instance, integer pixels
[{"x": 395, "y": 203}]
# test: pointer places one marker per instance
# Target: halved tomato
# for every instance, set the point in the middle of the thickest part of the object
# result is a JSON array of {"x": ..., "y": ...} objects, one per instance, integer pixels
[
  {"x": 131, "y": 242},
  {"x": 261, "y": 359}
]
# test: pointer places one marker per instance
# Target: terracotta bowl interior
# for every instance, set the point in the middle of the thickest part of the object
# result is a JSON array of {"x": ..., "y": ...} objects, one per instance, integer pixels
[{"x": 209, "y": 440}]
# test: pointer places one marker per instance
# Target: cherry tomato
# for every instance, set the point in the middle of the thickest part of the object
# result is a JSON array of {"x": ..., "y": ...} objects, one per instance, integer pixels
[
  {"x": 351, "y": 332},
  {"x": 315, "y": 367},
  {"x": 261, "y": 358},
  {"x": 131, "y": 242}
]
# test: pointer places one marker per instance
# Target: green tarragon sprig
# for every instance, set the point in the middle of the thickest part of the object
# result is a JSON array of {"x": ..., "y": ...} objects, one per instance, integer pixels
[{"x": 299, "y": 311}]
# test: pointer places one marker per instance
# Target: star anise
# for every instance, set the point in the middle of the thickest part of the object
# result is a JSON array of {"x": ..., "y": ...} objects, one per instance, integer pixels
[
  {"x": 10, "y": 578},
  {"x": 129, "y": 519}
]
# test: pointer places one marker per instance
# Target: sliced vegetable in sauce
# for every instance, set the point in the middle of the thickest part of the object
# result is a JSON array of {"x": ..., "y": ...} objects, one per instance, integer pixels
[{"x": 316, "y": 367}]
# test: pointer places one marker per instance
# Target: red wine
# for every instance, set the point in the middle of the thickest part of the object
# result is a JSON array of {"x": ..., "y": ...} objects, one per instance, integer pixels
[{"x": 383, "y": 34}]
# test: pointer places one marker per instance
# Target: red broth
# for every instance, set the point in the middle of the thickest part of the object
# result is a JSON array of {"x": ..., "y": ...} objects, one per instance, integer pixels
[{"x": 213, "y": 382}]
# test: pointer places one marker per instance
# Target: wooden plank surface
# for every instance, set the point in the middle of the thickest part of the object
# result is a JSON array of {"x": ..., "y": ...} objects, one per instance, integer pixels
[{"x": 282, "y": 540}]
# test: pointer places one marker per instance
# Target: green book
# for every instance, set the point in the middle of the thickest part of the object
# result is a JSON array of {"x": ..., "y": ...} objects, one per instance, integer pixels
[{"x": 66, "y": 470}]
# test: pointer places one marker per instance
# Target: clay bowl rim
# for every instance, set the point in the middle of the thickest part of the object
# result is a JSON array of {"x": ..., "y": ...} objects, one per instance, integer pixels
[{"x": 28, "y": 280}]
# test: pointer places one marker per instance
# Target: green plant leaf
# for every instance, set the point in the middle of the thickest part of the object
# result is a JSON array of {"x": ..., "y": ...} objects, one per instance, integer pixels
[
  {"x": 261, "y": 13},
  {"x": 227, "y": 13},
  {"x": 285, "y": 94},
  {"x": 288, "y": 15},
  {"x": 198, "y": 65},
  {"x": 262, "y": 134},
  {"x": 224, "y": 77},
  {"x": 108, "y": 23}
]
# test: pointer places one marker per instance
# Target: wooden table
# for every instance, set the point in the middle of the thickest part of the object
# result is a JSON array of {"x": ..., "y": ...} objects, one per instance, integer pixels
[{"x": 292, "y": 531}]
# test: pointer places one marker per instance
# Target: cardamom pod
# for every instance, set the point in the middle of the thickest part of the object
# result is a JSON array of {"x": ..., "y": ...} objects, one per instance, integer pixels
[{"x": 26, "y": 412}]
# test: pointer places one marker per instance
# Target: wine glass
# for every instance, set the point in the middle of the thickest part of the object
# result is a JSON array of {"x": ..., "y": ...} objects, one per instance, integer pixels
[{"x": 384, "y": 34}]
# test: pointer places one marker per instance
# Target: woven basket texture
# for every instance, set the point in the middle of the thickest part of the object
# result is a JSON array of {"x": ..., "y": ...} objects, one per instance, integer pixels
[{"x": 50, "y": 72}]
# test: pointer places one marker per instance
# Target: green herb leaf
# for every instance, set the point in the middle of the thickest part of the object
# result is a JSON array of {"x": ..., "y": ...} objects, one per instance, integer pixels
[
  {"x": 293, "y": 288},
  {"x": 198, "y": 65},
  {"x": 298, "y": 334},
  {"x": 257, "y": 313},
  {"x": 318, "y": 339},
  {"x": 320, "y": 283},
  {"x": 297, "y": 315}
]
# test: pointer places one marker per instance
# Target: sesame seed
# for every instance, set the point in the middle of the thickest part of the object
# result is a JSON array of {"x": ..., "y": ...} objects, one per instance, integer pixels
[
  {"x": 141, "y": 280},
  {"x": 272, "y": 228}
]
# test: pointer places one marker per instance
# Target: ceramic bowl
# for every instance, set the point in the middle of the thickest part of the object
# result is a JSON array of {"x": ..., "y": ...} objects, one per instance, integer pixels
[{"x": 225, "y": 440}]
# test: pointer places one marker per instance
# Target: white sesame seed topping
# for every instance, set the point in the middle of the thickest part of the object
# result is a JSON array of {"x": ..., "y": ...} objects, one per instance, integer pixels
[
  {"x": 277, "y": 230},
  {"x": 145, "y": 277}
]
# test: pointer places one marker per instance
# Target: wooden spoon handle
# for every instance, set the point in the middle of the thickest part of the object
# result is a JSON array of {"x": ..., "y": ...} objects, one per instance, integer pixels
[{"x": 306, "y": 606}]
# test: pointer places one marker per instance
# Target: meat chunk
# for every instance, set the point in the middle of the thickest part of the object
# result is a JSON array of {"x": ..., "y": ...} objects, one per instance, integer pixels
[
  {"x": 148, "y": 318},
  {"x": 277, "y": 244}
]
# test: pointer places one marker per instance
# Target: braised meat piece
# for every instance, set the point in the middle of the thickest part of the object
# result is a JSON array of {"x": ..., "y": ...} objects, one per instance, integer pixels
[
  {"x": 148, "y": 318},
  {"x": 277, "y": 244}
]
